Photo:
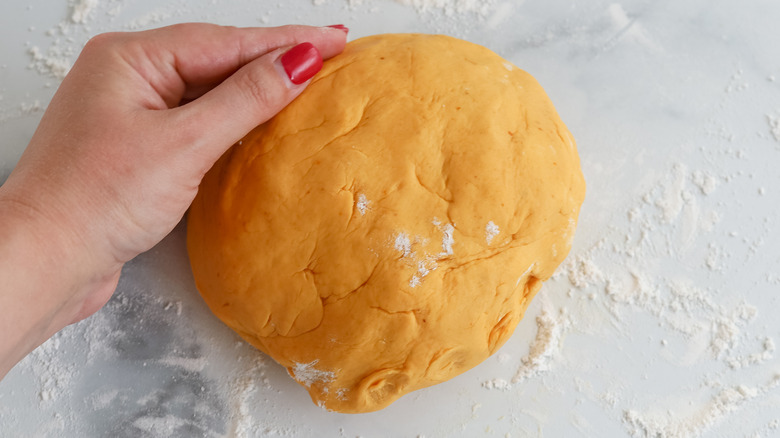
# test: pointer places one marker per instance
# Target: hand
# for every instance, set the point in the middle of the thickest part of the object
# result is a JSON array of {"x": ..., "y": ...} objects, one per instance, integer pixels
[{"x": 119, "y": 155}]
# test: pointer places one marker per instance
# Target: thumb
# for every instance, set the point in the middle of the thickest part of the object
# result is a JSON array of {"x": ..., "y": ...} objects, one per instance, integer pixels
[{"x": 250, "y": 97}]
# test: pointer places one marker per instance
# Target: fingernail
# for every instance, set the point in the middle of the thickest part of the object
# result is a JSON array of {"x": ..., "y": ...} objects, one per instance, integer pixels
[
  {"x": 340, "y": 27},
  {"x": 301, "y": 62}
]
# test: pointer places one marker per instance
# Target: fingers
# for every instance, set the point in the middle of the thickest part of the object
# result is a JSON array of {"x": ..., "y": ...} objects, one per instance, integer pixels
[
  {"x": 251, "y": 96},
  {"x": 233, "y": 78},
  {"x": 203, "y": 55}
]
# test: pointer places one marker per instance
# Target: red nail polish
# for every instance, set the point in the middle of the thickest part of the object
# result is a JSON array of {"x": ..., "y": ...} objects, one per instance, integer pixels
[
  {"x": 301, "y": 62},
  {"x": 340, "y": 27}
]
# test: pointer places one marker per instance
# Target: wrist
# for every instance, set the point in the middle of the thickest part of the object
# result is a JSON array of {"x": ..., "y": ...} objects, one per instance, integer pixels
[{"x": 47, "y": 279}]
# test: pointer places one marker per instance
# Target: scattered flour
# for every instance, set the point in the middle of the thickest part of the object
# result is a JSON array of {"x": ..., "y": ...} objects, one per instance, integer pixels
[
  {"x": 103, "y": 400},
  {"x": 447, "y": 16},
  {"x": 671, "y": 202},
  {"x": 752, "y": 359},
  {"x": 160, "y": 426},
  {"x": 662, "y": 424},
  {"x": 551, "y": 329},
  {"x": 151, "y": 19},
  {"x": 54, "y": 375},
  {"x": 171, "y": 304},
  {"x": 403, "y": 244},
  {"x": 82, "y": 10},
  {"x": 447, "y": 241},
  {"x": 737, "y": 82},
  {"x": 704, "y": 181},
  {"x": 307, "y": 374},
  {"x": 424, "y": 267},
  {"x": 724, "y": 336},
  {"x": 452, "y": 7},
  {"x": 546, "y": 347},
  {"x": 425, "y": 263},
  {"x": 583, "y": 271},
  {"x": 362, "y": 204},
  {"x": 242, "y": 390},
  {"x": 68, "y": 37},
  {"x": 499, "y": 384},
  {"x": 56, "y": 65},
  {"x": 617, "y": 272},
  {"x": 774, "y": 125},
  {"x": 491, "y": 231},
  {"x": 191, "y": 364}
]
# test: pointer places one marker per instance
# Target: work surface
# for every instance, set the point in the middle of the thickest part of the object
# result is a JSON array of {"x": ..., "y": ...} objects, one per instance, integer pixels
[{"x": 661, "y": 323}]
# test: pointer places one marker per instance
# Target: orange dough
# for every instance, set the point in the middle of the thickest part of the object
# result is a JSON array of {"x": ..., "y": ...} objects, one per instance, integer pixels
[{"x": 387, "y": 230}]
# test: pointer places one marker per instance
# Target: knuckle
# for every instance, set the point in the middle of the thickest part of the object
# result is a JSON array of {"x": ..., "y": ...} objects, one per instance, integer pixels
[
  {"x": 255, "y": 85},
  {"x": 102, "y": 41}
]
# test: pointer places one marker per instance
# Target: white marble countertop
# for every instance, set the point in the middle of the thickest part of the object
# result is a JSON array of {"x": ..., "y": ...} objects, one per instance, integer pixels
[{"x": 661, "y": 323}]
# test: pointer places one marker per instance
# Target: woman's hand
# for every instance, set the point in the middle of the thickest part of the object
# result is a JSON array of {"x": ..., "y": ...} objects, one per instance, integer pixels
[{"x": 119, "y": 155}]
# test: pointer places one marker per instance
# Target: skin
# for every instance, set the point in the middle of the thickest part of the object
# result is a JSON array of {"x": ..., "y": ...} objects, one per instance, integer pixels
[{"x": 118, "y": 157}]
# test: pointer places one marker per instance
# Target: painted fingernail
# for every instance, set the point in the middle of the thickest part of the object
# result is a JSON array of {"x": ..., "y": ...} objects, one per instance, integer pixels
[
  {"x": 340, "y": 27},
  {"x": 301, "y": 62}
]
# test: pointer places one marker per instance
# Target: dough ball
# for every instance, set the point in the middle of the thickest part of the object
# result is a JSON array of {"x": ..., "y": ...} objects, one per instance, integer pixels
[{"x": 387, "y": 230}]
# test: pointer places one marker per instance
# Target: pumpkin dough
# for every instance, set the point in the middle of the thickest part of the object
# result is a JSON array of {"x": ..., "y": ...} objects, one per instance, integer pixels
[{"x": 387, "y": 230}]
